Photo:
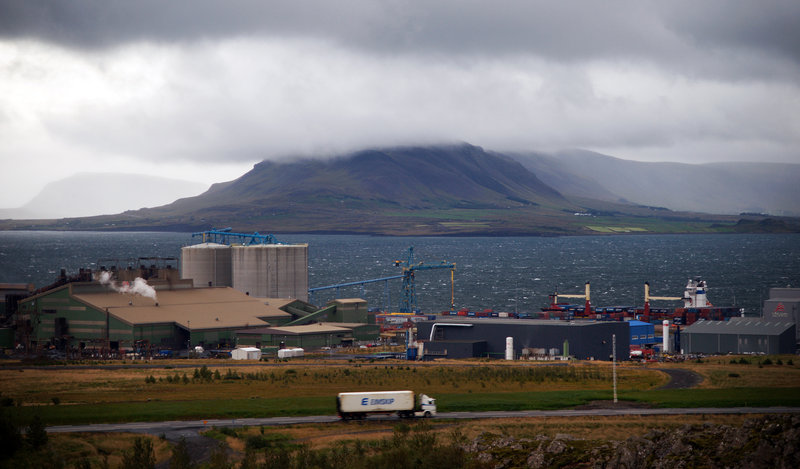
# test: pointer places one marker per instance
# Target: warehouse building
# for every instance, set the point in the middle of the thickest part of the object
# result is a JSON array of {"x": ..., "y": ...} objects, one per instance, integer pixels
[
  {"x": 306, "y": 336},
  {"x": 740, "y": 335},
  {"x": 90, "y": 315},
  {"x": 783, "y": 305},
  {"x": 642, "y": 333},
  {"x": 475, "y": 337}
]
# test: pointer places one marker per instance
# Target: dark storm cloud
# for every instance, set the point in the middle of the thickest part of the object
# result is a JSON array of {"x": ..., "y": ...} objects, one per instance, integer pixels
[{"x": 556, "y": 30}]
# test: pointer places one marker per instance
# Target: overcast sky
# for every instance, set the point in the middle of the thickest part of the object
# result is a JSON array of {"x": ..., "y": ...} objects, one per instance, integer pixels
[{"x": 201, "y": 90}]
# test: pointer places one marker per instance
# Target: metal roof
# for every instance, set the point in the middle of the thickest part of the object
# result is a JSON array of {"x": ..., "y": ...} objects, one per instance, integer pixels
[
  {"x": 516, "y": 322},
  {"x": 193, "y": 309},
  {"x": 784, "y": 294},
  {"x": 740, "y": 326},
  {"x": 639, "y": 323},
  {"x": 297, "y": 330}
]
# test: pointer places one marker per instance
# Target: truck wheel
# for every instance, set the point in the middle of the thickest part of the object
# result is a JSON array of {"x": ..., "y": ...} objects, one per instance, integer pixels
[{"x": 427, "y": 414}]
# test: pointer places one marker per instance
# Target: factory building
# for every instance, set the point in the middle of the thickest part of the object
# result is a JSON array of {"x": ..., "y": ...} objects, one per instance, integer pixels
[
  {"x": 10, "y": 295},
  {"x": 783, "y": 305},
  {"x": 471, "y": 337},
  {"x": 259, "y": 270},
  {"x": 306, "y": 336},
  {"x": 90, "y": 315},
  {"x": 740, "y": 335}
]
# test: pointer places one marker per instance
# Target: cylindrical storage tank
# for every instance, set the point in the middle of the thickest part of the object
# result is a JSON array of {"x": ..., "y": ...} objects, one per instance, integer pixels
[
  {"x": 271, "y": 270},
  {"x": 207, "y": 264},
  {"x": 509, "y": 348},
  {"x": 665, "y": 345}
]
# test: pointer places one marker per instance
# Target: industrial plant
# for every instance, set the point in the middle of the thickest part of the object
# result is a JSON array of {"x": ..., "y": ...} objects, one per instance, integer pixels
[{"x": 236, "y": 291}]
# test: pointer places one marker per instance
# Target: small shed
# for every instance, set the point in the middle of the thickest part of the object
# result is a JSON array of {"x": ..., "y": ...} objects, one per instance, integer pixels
[{"x": 246, "y": 353}]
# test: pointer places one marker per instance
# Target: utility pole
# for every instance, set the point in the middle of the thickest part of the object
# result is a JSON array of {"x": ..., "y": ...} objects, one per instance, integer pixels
[{"x": 614, "y": 363}]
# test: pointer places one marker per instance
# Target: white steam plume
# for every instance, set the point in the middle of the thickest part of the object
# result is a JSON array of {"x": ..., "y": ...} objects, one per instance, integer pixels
[{"x": 139, "y": 286}]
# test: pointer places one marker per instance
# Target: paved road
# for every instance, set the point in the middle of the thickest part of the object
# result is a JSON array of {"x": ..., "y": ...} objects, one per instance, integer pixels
[{"x": 179, "y": 427}]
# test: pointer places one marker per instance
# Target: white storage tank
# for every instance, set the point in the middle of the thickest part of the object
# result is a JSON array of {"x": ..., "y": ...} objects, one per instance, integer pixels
[
  {"x": 509, "y": 348},
  {"x": 207, "y": 264},
  {"x": 271, "y": 270}
]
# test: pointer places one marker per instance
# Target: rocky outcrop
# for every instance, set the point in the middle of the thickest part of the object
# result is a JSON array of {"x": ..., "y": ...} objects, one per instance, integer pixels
[{"x": 772, "y": 441}]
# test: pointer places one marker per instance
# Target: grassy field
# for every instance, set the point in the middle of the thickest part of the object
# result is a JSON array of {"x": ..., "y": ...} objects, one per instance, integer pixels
[{"x": 62, "y": 395}]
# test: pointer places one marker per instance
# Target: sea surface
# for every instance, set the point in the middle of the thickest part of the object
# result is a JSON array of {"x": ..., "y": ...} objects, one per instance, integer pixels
[{"x": 501, "y": 273}]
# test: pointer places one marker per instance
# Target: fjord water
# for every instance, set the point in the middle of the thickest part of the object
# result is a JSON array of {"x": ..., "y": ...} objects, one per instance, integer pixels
[{"x": 501, "y": 273}]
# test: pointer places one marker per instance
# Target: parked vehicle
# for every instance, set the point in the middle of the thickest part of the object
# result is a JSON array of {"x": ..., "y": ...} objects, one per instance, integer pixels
[{"x": 357, "y": 405}]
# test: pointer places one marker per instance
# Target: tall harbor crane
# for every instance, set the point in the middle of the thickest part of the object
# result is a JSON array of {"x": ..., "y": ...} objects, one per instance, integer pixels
[{"x": 409, "y": 302}]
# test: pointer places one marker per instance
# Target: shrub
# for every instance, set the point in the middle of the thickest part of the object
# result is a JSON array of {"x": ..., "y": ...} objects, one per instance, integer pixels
[
  {"x": 36, "y": 434},
  {"x": 141, "y": 456},
  {"x": 10, "y": 436},
  {"x": 180, "y": 459},
  {"x": 219, "y": 458}
]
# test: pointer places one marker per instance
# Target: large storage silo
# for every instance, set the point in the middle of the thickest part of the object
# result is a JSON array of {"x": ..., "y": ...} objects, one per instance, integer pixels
[
  {"x": 271, "y": 270},
  {"x": 207, "y": 264}
]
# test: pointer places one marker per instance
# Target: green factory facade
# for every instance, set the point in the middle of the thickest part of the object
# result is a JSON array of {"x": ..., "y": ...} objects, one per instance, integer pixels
[{"x": 88, "y": 315}]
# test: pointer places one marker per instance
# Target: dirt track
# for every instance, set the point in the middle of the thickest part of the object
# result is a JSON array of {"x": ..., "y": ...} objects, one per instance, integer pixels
[{"x": 681, "y": 379}]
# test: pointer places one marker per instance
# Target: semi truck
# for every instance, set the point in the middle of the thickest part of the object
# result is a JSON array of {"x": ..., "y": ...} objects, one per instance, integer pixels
[{"x": 357, "y": 405}]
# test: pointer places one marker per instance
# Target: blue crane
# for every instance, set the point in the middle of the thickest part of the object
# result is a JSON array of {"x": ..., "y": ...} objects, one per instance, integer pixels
[{"x": 409, "y": 302}]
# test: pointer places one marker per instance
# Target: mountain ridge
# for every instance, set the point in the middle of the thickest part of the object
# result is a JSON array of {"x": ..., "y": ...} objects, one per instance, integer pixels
[
  {"x": 718, "y": 188},
  {"x": 454, "y": 190}
]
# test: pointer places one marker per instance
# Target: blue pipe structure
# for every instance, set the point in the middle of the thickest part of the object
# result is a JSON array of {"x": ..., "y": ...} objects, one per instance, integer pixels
[{"x": 225, "y": 236}]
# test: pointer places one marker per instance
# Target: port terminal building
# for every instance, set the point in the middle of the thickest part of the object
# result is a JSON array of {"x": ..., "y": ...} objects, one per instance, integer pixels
[
  {"x": 740, "y": 336},
  {"x": 783, "y": 305},
  {"x": 533, "y": 338}
]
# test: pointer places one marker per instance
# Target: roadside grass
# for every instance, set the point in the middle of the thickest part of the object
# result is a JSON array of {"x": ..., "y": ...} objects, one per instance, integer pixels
[
  {"x": 725, "y": 397},
  {"x": 318, "y": 436},
  {"x": 448, "y": 402},
  {"x": 91, "y": 450},
  {"x": 77, "y": 396},
  {"x": 92, "y": 386}
]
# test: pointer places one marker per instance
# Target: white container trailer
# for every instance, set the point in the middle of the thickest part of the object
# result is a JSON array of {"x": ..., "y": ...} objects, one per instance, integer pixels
[{"x": 357, "y": 405}]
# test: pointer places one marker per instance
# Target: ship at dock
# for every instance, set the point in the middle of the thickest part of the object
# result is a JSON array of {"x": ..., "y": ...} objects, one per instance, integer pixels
[{"x": 695, "y": 306}]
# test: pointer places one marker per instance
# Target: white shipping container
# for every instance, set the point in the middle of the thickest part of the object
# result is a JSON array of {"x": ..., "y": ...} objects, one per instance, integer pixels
[
  {"x": 291, "y": 352},
  {"x": 379, "y": 401}
]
